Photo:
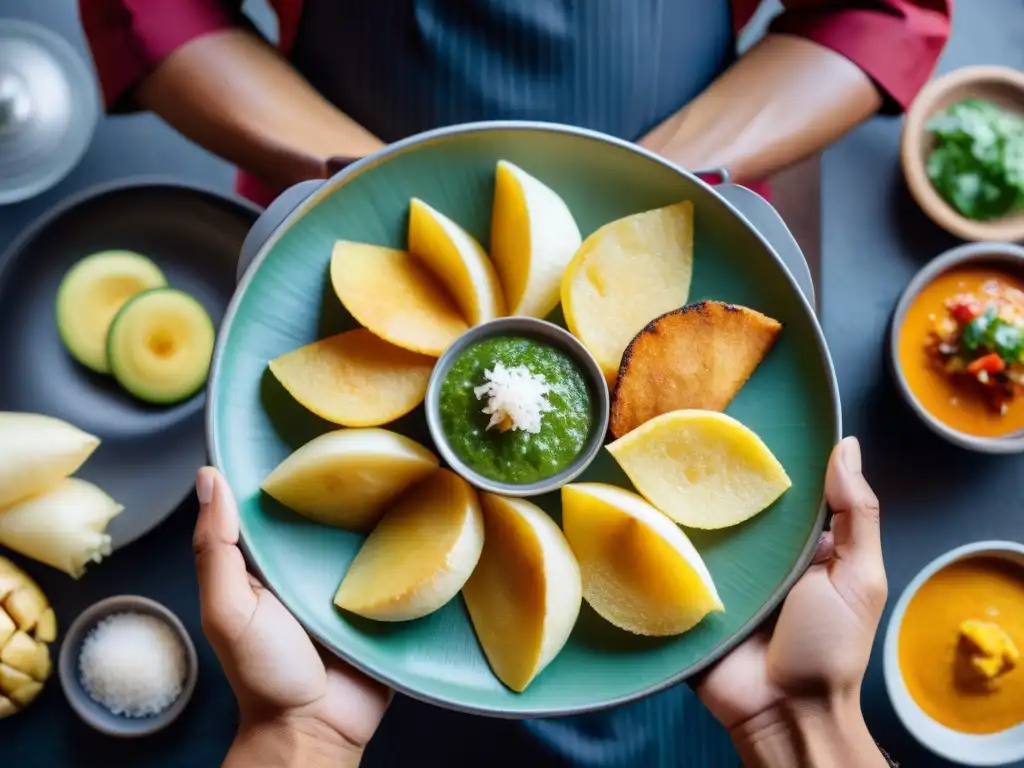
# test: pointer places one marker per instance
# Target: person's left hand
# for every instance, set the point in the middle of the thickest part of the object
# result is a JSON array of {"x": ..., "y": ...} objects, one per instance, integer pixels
[
  {"x": 808, "y": 665},
  {"x": 291, "y": 698}
]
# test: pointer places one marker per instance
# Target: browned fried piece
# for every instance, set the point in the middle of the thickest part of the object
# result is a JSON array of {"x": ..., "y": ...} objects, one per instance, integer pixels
[{"x": 695, "y": 357}]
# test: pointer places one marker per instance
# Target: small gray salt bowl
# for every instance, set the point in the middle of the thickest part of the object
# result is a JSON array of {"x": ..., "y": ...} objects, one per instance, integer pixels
[{"x": 92, "y": 712}]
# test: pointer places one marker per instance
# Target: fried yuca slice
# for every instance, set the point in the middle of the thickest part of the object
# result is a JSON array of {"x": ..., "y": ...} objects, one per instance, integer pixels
[{"x": 697, "y": 357}]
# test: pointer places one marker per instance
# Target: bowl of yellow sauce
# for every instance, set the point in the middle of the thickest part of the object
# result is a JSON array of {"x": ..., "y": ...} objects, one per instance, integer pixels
[{"x": 953, "y": 659}]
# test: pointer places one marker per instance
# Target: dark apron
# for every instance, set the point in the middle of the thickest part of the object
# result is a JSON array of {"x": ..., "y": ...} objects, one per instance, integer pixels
[{"x": 398, "y": 67}]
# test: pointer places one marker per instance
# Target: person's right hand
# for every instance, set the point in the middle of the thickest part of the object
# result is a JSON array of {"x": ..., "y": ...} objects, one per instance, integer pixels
[
  {"x": 800, "y": 680},
  {"x": 297, "y": 706}
]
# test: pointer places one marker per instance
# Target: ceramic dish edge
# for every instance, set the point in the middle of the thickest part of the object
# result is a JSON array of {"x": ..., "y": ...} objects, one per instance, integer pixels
[{"x": 411, "y": 143}]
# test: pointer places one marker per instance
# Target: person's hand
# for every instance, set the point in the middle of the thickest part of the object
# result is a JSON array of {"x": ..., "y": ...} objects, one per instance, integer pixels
[
  {"x": 799, "y": 681},
  {"x": 296, "y": 706}
]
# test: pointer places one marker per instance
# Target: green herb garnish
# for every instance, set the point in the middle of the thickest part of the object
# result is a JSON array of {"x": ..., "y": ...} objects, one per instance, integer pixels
[
  {"x": 975, "y": 332},
  {"x": 989, "y": 332},
  {"x": 977, "y": 163}
]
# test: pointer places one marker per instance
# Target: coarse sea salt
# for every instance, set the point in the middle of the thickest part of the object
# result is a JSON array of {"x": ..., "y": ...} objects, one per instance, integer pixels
[
  {"x": 516, "y": 398},
  {"x": 133, "y": 664}
]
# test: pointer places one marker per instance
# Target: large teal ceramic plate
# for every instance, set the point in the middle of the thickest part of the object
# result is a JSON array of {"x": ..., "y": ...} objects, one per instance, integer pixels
[{"x": 285, "y": 301}]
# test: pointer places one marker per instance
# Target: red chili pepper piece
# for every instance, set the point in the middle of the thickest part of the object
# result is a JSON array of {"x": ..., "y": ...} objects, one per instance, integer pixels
[
  {"x": 990, "y": 363},
  {"x": 965, "y": 311}
]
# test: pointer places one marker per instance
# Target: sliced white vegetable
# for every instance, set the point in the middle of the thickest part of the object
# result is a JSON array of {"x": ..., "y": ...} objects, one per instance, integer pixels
[
  {"x": 64, "y": 527},
  {"x": 37, "y": 452}
]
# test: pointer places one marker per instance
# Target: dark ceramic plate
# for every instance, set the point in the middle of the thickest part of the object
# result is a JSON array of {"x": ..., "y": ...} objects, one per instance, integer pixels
[{"x": 149, "y": 455}]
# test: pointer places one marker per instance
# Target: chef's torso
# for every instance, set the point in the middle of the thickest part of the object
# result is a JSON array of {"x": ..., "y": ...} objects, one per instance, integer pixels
[{"x": 398, "y": 67}]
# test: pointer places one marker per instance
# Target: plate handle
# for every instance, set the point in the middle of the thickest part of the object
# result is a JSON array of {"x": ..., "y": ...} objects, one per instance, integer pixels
[
  {"x": 271, "y": 219},
  {"x": 763, "y": 217}
]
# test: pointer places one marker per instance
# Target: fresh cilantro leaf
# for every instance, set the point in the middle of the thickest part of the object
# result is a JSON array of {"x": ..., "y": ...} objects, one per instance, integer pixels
[
  {"x": 977, "y": 163},
  {"x": 1007, "y": 339},
  {"x": 973, "y": 335}
]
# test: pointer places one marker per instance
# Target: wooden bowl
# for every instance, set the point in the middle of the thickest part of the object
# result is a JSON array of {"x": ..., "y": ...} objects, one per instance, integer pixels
[{"x": 1003, "y": 86}]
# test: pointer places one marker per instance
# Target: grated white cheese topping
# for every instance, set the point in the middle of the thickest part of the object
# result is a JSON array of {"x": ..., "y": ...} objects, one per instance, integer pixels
[
  {"x": 133, "y": 664},
  {"x": 516, "y": 398}
]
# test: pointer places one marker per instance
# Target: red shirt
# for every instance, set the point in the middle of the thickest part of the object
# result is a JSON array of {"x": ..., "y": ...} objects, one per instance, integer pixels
[{"x": 896, "y": 42}]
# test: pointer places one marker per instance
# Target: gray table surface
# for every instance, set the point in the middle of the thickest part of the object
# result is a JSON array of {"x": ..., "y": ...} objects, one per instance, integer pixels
[
  {"x": 160, "y": 565},
  {"x": 934, "y": 497},
  {"x": 874, "y": 238}
]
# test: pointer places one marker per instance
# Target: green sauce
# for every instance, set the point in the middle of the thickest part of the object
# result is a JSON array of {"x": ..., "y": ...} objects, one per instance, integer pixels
[
  {"x": 977, "y": 163},
  {"x": 516, "y": 456}
]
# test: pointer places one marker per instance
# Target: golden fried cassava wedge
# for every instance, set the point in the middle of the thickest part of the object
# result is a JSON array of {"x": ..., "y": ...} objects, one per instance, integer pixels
[
  {"x": 419, "y": 555},
  {"x": 696, "y": 357},
  {"x": 640, "y": 571},
  {"x": 625, "y": 273},
  {"x": 458, "y": 260},
  {"x": 347, "y": 477},
  {"x": 525, "y": 594},
  {"x": 701, "y": 468},
  {"x": 533, "y": 239},
  {"x": 355, "y": 379},
  {"x": 395, "y": 296}
]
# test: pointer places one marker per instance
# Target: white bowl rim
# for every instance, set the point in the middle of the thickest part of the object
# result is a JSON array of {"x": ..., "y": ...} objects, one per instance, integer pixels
[
  {"x": 961, "y": 255},
  {"x": 997, "y": 748}
]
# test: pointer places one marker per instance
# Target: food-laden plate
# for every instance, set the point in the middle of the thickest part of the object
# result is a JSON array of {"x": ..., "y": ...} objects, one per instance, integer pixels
[
  {"x": 294, "y": 296},
  {"x": 55, "y": 302}
]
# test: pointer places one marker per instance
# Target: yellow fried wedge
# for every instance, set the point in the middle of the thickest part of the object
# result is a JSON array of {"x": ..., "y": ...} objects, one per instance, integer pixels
[
  {"x": 525, "y": 593},
  {"x": 624, "y": 275},
  {"x": 701, "y": 468},
  {"x": 460, "y": 262},
  {"x": 533, "y": 239},
  {"x": 640, "y": 572},
  {"x": 419, "y": 555},
  {"x": 346, "y": 478},
  {"x": 355, "y": 379},
  {"x": 393, "y": 295}
]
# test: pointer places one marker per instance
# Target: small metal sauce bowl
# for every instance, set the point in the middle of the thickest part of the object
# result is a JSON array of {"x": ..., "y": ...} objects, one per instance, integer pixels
[{"x": 547, "y": 333}]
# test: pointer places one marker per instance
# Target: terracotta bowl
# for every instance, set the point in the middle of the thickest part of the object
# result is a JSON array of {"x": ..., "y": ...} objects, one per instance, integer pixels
[{"x": 1001, "y": 85}]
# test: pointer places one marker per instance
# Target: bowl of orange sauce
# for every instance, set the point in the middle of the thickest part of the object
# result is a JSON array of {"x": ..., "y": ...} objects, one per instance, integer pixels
[
  {"x": 957, "y": 346},
  {"x": 952, "y": 654}
]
